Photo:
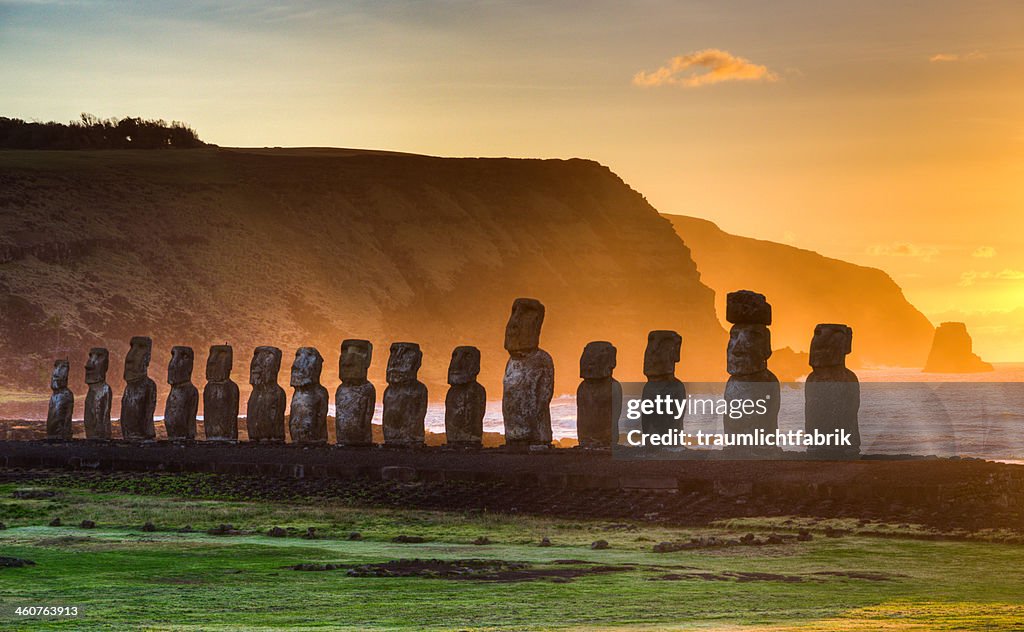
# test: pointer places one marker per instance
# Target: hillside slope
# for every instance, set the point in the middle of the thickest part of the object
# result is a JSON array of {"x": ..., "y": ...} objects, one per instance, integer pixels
[
  {"x": 806, "y": 288},
  {"x": 296, "y": 248}
]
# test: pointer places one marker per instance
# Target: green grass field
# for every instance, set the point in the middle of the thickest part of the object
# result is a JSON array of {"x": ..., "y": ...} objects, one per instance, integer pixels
[{"x": 125, "y": 578}]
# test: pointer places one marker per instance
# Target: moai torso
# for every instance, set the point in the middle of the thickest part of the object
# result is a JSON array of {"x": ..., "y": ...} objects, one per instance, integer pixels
[
  {"x": 355, "y": 399},
  {"x": 405, "y": 398},
  {"x": 750, "y": 347},
  {"x": 183, "y": 401},
  {"x": 660, "y": 359},
  {"x": 264, "y": 416},
  {"x": 598, "y": 398},
  {"x": 529, "y": 377},
  {"x": 220, "y": 396},
  {"x": 308, "y": 417},
  {"x": 99, "y": 397},
  {"x": 62, "y": 403},
  {"x": 139, "y": 400},
  {"x": 466, "y": 401},
  {"x": 832, "y": 391}
]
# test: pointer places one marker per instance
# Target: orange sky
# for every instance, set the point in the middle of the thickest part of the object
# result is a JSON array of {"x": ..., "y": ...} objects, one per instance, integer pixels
[{"x": 876, "y": 132}]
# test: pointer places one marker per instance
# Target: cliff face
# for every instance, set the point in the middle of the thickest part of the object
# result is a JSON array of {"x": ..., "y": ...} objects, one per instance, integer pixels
[
  {"x": 295, "y": 248},
  {"x": 806, "y": 288},
  {"x": 952, "y": 352}
]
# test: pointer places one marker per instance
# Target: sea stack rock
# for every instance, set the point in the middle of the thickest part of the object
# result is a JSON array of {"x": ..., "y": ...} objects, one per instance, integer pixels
[
  {"x": 529, "y": 379},
  {"x": 183, "y": 400},
  {"x": 599, "y": 397},
  {"x": 466, "y": 402},
  {"x": 139, "y": 400},
  {"x": 752, "y": 392},
  {"x": 62, "y": 403},
  {"x": 264, "y": 412},
  {"x": 220, "y": 397},
  {"x": 99, "y": 397},
  {"x": 405, "y": 398},
  {"x": 832, "y": 391},
  {"x": 308, "y": 418},
  {"x": 953, "y": 352},
  {"x": 660, "y": 359},
  {"x": 356, "y": 397}
]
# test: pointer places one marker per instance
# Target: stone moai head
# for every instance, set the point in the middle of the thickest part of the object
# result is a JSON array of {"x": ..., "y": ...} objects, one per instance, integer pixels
[
  {"x": 465, "y": 365},
  {"x": 265, "y": 366},
  {"x": 59, "y": 377},
  {"x": 307, "y": 367},
  {"x": 750, "y": 346},
  {"x": 96, "y": 365},
  {"x": 179, "y": 369},
  {"x": 830, "y": 345},
  {"x": 404, "y": 362},
  {"x": 747, "y": 308},
  {"x": 136, "y": 363},
  {"x": 598, "y": 360},
  {"x": 522, "y": 333},
  {"x": 355, "y": 360},
  {"x": 218, "y": 364},
  {"x": 662, "y": 353}
]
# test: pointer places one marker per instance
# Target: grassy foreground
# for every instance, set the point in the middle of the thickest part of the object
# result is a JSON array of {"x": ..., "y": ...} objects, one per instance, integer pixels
[{"x": 125, "y": 578}]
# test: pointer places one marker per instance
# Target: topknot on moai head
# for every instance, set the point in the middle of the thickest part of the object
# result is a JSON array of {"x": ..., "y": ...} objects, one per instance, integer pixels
[
  {"x": 830, "y": 345},
  {"x": 59, "y": 376},
  {"x": 522, "y": 333},
  {"x": 750, "y": 346},
  {"x": 597, "y": 360},
  {"x": 179, "y": 369},
  {"x": 404, "y": 362},
  {"x": 465, "y": 365},
  {"x": 307, "y": 367},
  {"x": 662, "y": 353},
  {"x": 747, "y": 308},
  {"x": 354, "y": 362},
  {"x": 96, "y": 365},
  {"x": 265, "y": 366},
  {"x": 136, "y": 363},
  {"x": 218, "y": 364}
]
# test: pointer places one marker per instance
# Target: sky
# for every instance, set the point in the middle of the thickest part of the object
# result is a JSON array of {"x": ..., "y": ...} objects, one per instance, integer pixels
[{"x": 889, "y": 134}]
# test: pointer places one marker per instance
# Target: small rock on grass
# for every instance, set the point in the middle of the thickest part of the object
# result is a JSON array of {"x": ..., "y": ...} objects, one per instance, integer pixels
[
  {"x": 55, "y": 522},
  {"x": 87, "y": 524},
  {"x": 545, "y": 541},
  {"x": 355, "y": 535},
  {"x": 599, "y": 545},
  {"x": 482, "y": 541},
  {"x": 277, "y": 532},
  {"x": 149, "y": 527}
]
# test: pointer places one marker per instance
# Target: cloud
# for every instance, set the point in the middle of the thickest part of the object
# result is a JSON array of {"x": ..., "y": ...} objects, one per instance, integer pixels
[
  {"x": 971, "y": 277},
  {"x": 984, "y": 252},
  {"x": 971, "y": 56},
  {"x": 704, "y": 67},
  {"x": 904, "y": 249}
]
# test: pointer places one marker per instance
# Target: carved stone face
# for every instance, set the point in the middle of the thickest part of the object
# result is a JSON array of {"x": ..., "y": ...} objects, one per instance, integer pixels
[
  {"x": 522, "y": 333},
  {"x": 355, "y": 360},
  {"x": 96, "y": 366},
  {"x": 662, "y": 353},
  {"x": 307, "y": 367},
  {"x": 136, "y": 363},
  {"x": 265, "y": 366},
  {"x": 218, "y": 365},
  {"x": 747, "y": 308},
  {"x": 750, "y": 346},
  {"x": 830, "y": 345},
  {"x": 597, "y": 361},
  {"x": 404, "y": 362},
  {"x": 179, "y": 369},
  {"x": 59, "y": 377},
  {"x": 465, "y": 365}
]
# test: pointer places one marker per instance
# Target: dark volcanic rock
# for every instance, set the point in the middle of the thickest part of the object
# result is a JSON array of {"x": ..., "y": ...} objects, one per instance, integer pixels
[
  {"x": 183, "y": 401},
  {"x": 138, "y": 403},
  {"x": 744, "y": 307},
  {"x": 405, "y": 398},
  {"x": 220, "y": 397},
  {"x": 466, "y": 401},
  {"x": 952, "y": 352},
  {"x": 14, "y": 562},
  {"x": 62, "y": 403},
  {"x": 832, "y": 391},
  {"x": 599, "y": 396},
  {"x": 277, "y": 532},
  {"x": 99, "y": 398},
  {"x": 264, "y": 416}
]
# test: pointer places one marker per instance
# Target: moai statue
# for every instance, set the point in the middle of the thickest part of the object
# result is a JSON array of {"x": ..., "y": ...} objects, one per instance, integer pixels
[
  {"x": 529, "y": 377},
  {"x": 405, "y": 398},
  {"x": 62, "y": 403},
  {"x": 308, "y": 418},
  {"x": 220, "y": 396},
  {"x": 832, "y": 391},
  {"x": 598, "y": 398},
  {"x": 264, "y": 414},
  {"x": 356, "y": 397},
  {"x": 97, "y": 401},
  {"x": 139, "y": 400},
  {"x": 660, "y": 359},
  {"x": 183, "y": 400},
  {"x": 752, "y": 392},
  {"x": 466, "y": 402}
]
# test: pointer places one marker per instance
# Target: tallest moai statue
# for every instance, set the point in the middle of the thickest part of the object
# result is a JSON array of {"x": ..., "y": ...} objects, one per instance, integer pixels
[
  {"x": 529, "y": 377},
  {"x": 750, "y": 346}
]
